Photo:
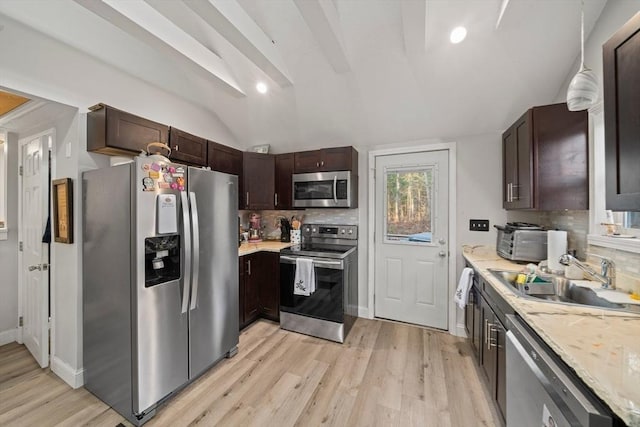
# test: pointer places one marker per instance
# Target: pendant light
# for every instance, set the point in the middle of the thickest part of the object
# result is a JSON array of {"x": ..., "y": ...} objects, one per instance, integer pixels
[{"x": 583, "y": 89}]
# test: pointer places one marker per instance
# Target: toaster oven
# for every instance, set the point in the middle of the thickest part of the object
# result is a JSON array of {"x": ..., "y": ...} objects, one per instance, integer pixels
[{"x": 522, "y": 242}]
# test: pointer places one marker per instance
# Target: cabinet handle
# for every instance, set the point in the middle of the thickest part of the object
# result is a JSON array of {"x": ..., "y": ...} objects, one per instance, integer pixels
[
  {"x": 509, "y": 192},
  {"x": 322, "y": 163},
  {"x": 512, "y": 187},
  {"x": 493, "y": 342},
  {"x": 275, "y": 196},
  {"x": 249, "y": 267},
  {"x": 489, "y": 330},
  {"x": 177, "y": 148},
  {"x": 317, "y": 164},
  {"x": 247, "y": 199}
]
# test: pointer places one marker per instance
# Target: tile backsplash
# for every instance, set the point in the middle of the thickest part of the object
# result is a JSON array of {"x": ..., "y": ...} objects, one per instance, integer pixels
[
  {"x": 270, "y": 219},
  {"x": 575, "y": 223},
  {"x": 627, "y": 265}
]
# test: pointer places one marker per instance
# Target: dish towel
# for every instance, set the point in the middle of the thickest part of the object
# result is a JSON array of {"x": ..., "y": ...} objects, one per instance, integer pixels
[
  {"x": 462, "y": 292},
  {"x": 304, "y": 282}
]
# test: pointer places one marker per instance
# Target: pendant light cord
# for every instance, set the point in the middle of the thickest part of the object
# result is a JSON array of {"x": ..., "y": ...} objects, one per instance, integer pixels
[{"x": 582, "y": 37}]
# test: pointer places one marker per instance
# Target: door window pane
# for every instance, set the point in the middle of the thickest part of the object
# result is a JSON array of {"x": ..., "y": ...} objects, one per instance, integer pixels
[{"x": 409, "y": 204}]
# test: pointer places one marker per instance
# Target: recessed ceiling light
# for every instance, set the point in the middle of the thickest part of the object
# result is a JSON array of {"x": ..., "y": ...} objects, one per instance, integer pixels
[
  {"x": 458, "y": 34},
  {"x": 261, "y": 87}
]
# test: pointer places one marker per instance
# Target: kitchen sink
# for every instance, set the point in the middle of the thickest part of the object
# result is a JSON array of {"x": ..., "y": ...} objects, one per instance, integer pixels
[{"x": 560, "y": 290}]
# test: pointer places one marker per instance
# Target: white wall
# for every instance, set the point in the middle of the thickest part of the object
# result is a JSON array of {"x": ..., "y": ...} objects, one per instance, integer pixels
[
  {"x": 9, "y": 250},
  {"x": 35, "y": 64}
]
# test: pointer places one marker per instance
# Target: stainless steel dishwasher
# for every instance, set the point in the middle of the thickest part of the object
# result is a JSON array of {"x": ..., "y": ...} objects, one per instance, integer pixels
[{"x": 540, "y": 390}]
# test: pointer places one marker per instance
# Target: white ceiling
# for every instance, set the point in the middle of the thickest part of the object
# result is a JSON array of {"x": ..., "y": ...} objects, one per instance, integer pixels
[{"x": 398, "y": 78}]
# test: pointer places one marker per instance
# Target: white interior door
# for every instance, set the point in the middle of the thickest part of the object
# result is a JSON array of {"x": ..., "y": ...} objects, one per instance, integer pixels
[
  {"x": 411, "y": 237},
  {"x": 34, "y": 260}
]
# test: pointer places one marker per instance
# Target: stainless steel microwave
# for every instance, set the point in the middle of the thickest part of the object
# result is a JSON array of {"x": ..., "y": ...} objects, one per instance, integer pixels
[{"x": 324, "y": 190}]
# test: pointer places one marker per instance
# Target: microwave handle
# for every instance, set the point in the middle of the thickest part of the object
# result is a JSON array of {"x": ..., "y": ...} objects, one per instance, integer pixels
[{"x": 335, "y": 189}]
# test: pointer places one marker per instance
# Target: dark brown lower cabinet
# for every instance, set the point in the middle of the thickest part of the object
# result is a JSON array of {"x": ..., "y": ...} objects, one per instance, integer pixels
[
  {"x": 259, "y": 287},
  {"x": 484, "y": 322}
]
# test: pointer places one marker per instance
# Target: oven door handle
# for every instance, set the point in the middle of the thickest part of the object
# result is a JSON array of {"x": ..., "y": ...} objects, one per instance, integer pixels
[{"x": 316, "y": 263}]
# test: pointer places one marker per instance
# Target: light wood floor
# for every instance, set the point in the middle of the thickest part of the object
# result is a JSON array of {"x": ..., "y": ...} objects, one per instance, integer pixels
[{"x": 385, "y": 374}]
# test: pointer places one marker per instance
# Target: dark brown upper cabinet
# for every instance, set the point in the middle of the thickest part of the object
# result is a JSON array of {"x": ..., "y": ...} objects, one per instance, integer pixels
[
  {"x": 258, "y": 180},
  {"x": 327, "y": 160},
  {"x": 225, "y": 159},
  {"x": 284, "y": 185},
  {"x": 545, "y": 160},
  {"x": 621, "y": 62},
  {"x": 228, "y": 160},
  {"x": 187, "y": 148},
  {"x": 114, "y": 132}
]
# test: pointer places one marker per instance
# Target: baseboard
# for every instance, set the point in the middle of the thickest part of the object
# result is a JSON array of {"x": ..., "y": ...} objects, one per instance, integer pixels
[
  {"x": 9, "y": 336},
  {"x": 364, "y": 312},
  {"x": 69, "y": 375},
  {"x": 460, "y": 330}
]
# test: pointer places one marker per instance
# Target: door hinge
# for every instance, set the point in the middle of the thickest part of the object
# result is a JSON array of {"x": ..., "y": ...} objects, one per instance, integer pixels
[
  {"x": 20, "y": 171},
  {"x": 20, "y": 321},
  {"x": 20, "y": 246}
]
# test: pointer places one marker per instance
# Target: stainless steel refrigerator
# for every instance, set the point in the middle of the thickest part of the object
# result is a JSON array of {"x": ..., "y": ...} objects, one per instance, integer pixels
[{"x": 160, "y": 280}]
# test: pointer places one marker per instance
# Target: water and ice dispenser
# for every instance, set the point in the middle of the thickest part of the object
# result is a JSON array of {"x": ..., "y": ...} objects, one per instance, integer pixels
[{"x": 162, "y": 253}]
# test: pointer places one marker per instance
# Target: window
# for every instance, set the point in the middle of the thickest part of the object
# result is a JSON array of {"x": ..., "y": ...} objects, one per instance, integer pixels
[
  {"x": 3, "y": 187},
  {"x": 408, "y": 201}
]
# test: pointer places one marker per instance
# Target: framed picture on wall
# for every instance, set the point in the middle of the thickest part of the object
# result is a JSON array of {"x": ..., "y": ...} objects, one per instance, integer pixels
[{"x": 63, "y": 210}]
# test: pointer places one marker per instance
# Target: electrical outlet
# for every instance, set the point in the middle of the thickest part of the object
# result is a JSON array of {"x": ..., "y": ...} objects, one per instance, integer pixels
[{"x": 479, "y": 224}]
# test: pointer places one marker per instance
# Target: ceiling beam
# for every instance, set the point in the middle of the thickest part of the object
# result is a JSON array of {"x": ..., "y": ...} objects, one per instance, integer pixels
[
  {"x": 414, "y": 26},
  {"x": 322, "y": 18},
  {"x": 229, "y": 19},
  {"x": 503, "y": 8},
  {"x": 140, "y": 20}
]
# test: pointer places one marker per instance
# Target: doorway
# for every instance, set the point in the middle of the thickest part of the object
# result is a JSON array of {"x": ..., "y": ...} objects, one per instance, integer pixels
[
  {"x": 410, "y": 207},
  {"x": 33, "y": 259}
]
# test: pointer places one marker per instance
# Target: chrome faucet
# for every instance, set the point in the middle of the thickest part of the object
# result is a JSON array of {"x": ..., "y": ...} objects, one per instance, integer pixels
[{"x": 607, "y": 275}]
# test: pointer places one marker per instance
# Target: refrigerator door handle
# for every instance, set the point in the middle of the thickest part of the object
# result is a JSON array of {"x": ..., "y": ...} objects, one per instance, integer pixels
[
  {"x": 196, "y": 250},
  {"x": 186, "y": 232}
]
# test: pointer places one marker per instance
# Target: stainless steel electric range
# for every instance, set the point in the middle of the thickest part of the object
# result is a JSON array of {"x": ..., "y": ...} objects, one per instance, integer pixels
[{"x": 330, "y": 311}]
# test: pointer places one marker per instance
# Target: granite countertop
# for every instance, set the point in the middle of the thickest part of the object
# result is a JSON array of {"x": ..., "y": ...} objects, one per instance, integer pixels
[
  {"x": 264, "y": 246},
  {"x": 602, "y": 346}
]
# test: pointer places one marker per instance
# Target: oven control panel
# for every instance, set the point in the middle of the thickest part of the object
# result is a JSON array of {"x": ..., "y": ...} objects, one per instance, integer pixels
[{"x": 330, "y": 231}]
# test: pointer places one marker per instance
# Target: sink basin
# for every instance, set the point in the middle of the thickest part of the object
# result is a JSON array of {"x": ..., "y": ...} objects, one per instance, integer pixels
[{"x": 559, "y": 289}]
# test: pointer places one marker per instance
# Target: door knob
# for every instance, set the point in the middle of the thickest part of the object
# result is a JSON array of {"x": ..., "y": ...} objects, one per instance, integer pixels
[
  {"x": 442, "y": 241},
  {"x": 35, "y": 267},
  {"x": 442, "y": 254}
]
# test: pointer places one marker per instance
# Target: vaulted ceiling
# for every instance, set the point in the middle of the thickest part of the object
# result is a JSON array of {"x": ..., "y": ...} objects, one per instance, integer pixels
[{"x": 339, "y": 72}]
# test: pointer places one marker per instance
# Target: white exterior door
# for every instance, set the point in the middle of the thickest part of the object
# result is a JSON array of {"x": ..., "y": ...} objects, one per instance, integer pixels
[
  {"x": 411, "y": 237},
  {"x": 34, "y": 268}
]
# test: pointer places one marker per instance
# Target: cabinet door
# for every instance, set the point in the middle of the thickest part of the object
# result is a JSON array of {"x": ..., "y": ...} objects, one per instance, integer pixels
[
  {"x": 522, "y": 193},
  {"x": 562, "y": 155},
  {"x": 251, "y": 298},
  {"x": 509, "y": 166},
  {"x": 477, "y": 323},
  {"x": 489, "y": 354},
  {"x": 307, "y": 161},
  {"x": 259, "y": 180},
  {"x": 114, "y": 132},
  {"x": 621, "y": 62},
  {"x": 269, "y": 290},
  {"x": 228, "y": 160},
  {"x": 241, "y": 289},
  {"x": 187, "y": 148},
  {"x": 338, "y": 159},
  {"x": 224, "y": 159},
  {"x": 500, "y": 336},
  {"x": 284, "y": 186}
]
